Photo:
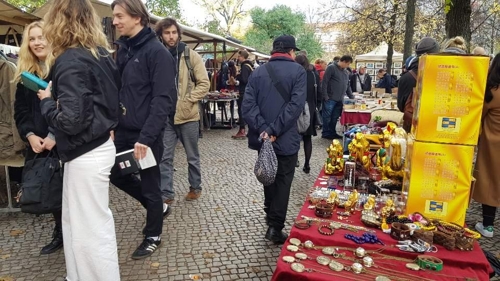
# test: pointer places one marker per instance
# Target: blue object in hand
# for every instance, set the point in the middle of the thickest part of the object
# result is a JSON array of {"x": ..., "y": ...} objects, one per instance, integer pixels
[{"x": 33, "y": 82}]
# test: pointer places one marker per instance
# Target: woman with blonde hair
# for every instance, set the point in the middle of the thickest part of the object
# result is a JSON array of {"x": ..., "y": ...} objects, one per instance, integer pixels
[
  {"x": 85, "y": 83},
  {"x": 31, "y": 126},
  {"x": 455, "y": 45}
]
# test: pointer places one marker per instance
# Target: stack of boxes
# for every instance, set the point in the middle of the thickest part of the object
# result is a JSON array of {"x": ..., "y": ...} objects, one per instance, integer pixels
[{"x": 446, "y": 124}]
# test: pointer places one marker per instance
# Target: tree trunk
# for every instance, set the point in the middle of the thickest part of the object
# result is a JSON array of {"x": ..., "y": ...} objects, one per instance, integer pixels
[
  {"x": 392, "y": 35},
  {"x": 458, "y": 20},
  {"x": 410, "y": 29}
]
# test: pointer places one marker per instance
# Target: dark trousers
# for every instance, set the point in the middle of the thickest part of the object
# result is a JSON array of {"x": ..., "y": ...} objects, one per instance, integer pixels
[
  {"x": 332, "y": 110},
  {"x": 276, "y": 195},
  {"x": 241, "y": 121},
  {"x": 489, "y": 213},
  {"x": 147, "y": 189}
]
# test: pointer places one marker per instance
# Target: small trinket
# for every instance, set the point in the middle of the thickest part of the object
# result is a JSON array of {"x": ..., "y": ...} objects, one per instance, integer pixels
[
  {"x": 323, "y": 260},
  {"x": 288, "y": 259},
  {"x": 328, "y": 251},
  {"x": 292, "y": 248},
  {"x": 301, "y": 256},
  {"x": 365, "y": 238},
  {"x": 360, "y": 252},
  {"x": 312, "y": 207},
  {"x": 382, "y": 278},
  {"x": 356, "y": 268},
  {"x": 308, "y": 244},
  {"x": 413, "y": 266},
  {"x": 298, "y": 267},
  {"x": 295, "y": 241},
  {"x": 336, "y": 266},
  {"x": 367, "y": 261},
  {"x": 336, "y": 225}
]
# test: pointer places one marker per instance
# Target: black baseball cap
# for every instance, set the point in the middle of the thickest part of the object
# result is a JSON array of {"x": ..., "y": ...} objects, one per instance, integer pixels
[{"x": 285, "y": 42}]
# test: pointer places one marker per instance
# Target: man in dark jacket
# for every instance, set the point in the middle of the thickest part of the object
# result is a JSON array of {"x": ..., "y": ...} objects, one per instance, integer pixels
[
  {"x": 335, "y": 86},
  {"x": 407, "y": 82},
  {"x": 269, "y": 115},
  {"x": 148, "y": 97},
  {"x": 245, "y": 70},
  {"x": 385, "y": 81},
  {"x": 361, "y": 81}
]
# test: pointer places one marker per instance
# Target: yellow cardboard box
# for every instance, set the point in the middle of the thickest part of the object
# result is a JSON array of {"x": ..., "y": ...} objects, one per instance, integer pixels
[
  {"x": 438, "y": 179},
  {"x": 449, "y": 98}
]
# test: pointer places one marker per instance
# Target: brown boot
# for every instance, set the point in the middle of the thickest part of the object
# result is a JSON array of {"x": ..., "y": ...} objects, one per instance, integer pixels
[
  {"x": 240, "y": 135},
  {"x": 193, "y": 194}
]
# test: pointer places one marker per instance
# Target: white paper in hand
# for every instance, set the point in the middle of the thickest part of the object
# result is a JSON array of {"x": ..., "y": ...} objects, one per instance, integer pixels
[{"x": 148, "y": 161}]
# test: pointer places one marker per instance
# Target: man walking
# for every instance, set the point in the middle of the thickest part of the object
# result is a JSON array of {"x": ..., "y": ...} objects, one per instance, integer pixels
[
  {"x": 147, "y": 98},
  {"x": 192, "y": 85},
  {"x": 272, "y": 114},
  {"x": 334, "y": 86},
  {"x": 245, "y": 71}
]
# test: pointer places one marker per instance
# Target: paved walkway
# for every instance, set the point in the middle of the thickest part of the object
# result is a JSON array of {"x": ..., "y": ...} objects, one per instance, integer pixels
[{"x": 218, "y": 237}]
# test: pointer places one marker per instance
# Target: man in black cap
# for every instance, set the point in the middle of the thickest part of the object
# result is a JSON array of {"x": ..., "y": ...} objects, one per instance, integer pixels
[
  {"x": 271, "y": 114},
  {"x": 408, "y": 81}
]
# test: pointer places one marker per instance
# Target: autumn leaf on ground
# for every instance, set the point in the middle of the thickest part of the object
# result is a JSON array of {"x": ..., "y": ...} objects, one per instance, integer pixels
[
  {"x": 195, "y": 276},
  {"x": 208, "y": 255},
  {"x": 155, "y": 265},
  {"x": 218, "y": 209},
  {"x": 6, "y": 278},
  {"x": 4, "y": 257},
  {"x": 16, "y": 232},
  {"x": 255, "y": 269}
]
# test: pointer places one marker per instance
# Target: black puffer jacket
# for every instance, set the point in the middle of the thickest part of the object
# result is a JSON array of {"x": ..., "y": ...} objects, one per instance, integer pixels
[
  {"x": 148, "y": 93},
  {"x": 27, "y": 113},
  {"x": 86, "y": 89}
]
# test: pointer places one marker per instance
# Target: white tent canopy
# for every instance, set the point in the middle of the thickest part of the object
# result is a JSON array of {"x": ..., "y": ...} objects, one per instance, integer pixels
[{"x": 379, "y": 54}]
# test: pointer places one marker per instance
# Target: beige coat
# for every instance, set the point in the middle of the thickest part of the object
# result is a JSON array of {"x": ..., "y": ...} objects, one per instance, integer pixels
[
  {"x": 487, "y": 171},
  {"x": 11, "y": 145},
  {"x": 188, "y": 94}
]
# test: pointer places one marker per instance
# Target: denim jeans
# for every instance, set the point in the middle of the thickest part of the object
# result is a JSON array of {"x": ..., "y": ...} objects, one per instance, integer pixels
[
  {"x": 331, "y": 114},
  {"x": 188, "y": 134}
]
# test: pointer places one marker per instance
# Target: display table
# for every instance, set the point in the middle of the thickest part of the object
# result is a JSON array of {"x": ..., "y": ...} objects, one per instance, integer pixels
[{"x": 458, "y": 265}]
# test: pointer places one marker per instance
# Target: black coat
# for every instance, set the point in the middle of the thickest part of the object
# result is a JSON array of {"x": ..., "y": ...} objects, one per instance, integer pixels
[
  {"x": 313, "y": 94},
  {"x": 245, "y": 72},
  {"x": 264, "y": 109},
  {"x": 148, "y": 91},
  {"x": 406, "y": 84},
  {"x": 87, "y": 108},
  {"x": 28, "y": 118}
]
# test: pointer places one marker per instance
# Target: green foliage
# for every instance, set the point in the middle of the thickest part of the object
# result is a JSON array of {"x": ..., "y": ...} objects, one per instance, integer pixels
[
  {"x": 27, "y": 5},
  {"x": 280, "y": 20},
  {"x": 164, "y": 8},
  {"x": 447, "y": 5}
]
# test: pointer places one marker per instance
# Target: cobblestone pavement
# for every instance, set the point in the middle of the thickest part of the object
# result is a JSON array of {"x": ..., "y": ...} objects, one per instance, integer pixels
[{"x": 218, "y": 237}]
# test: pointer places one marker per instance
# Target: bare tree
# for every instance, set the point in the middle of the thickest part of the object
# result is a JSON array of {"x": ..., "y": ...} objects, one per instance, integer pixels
[{"x": 229, "y": 11}]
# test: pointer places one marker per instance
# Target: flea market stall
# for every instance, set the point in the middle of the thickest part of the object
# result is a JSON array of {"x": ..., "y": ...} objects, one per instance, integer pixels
[
  {"x": 390, "y": 203},
  {"x": 377, "y": 58}
]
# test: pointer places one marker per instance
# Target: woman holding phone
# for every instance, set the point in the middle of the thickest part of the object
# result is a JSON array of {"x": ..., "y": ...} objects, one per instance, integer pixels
[
  {"x": 85, "y": 83},
  {"x": 29, "y": 121}
]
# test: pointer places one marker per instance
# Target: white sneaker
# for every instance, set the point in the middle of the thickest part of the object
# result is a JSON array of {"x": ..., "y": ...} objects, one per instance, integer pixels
[{"x": 485, "y": 231}]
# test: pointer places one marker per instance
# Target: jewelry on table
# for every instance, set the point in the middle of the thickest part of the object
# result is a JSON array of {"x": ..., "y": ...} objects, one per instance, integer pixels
[
  {"x": 295, "y": 241},
  {"x": 292, "y": 248},
  {"x": 328, "y": 251},
  {"x": 382, "y": 278},
  {"x": 429, "y": 262},
  {"x": 336, "y": 266},
  {"x": 300, "y": 268},
  {"x": 365, "y": 238},
  {"x": 367, "y": 261},
  {"x": 288, "y": 259},
  {"x": 302, "y": 224},
  {"x": 413, "y": 266},
  {"x": 328, "y": 233},
  {"x": 302, "y": 256},
  {"x": 323, "y": 260},
  {"x": 308, "y": 244}
]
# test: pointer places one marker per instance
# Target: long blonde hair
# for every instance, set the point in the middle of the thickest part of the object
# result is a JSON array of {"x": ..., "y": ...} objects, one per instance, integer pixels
[
  {"x": 27, "y": 60},
  {"x": 72, "y": 24}
]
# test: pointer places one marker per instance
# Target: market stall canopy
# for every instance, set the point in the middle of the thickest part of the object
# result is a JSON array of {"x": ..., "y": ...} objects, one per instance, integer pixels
[
  {"x": 190, "y": 35},
  {"x": 13, "y": 20},
  {"x": 379, "y": 54},
  {"x": 260, "y": 55}
]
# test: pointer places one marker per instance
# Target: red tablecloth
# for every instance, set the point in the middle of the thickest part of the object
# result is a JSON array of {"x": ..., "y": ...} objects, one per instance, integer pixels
[
  {"x": 355, "y": 117},
  {"x": 457, "y": 264}
]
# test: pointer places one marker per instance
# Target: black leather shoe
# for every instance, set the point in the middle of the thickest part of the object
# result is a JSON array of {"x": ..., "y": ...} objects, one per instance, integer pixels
[
  {"x": 55, "y": 244},
  {"x": 276, "y": 236},
  {"x": 306, "y": 169}
]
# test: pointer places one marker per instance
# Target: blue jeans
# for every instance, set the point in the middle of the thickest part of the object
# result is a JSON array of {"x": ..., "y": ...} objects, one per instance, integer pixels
[{"x": 331, "y": 114}]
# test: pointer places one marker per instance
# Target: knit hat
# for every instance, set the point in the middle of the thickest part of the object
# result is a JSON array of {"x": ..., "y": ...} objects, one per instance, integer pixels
[{"x": 427, "y": 45}]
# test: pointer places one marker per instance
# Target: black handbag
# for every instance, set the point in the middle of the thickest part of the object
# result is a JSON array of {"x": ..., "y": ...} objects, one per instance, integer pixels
[
  {"x": 318, "y": 120},
  {"x": 41, "y": 186}
]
